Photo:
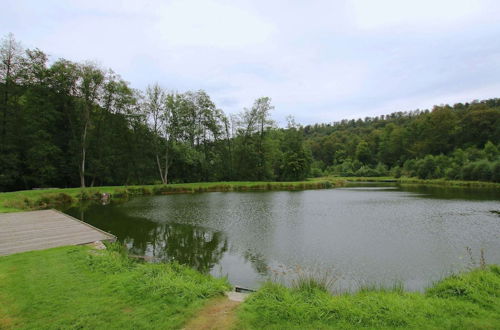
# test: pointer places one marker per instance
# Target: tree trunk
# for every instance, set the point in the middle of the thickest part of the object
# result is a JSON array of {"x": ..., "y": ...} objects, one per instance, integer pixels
[
  {"x": 159, "y": 168},
  {"x": 166, "y": 166},
  {"x": 5, "y": 106},
  {"x": 84, "y": 150}
]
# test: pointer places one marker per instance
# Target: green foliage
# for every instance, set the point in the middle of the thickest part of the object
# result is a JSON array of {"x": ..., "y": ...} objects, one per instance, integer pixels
[
  {"x": 495, "y": 172},
  {"x": 427, "y": 144},
  {"x": 491, "y": 151},
  {"x": 470, "y": 300},
  {"x": 469, "y": 164},
  {"x": 363, "y": 153}
]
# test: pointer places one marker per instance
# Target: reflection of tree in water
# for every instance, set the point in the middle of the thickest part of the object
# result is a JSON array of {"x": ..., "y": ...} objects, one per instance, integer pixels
[
  {"x": 257, "y": 261},
  {"x": 188, "y": 245},
  {"x": 191, "y": 245}
]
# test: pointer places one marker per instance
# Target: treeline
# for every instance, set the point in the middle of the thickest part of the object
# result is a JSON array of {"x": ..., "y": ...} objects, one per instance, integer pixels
[
  {"x": 453, "y": 142},
  {"x": 69, "y": 124}
]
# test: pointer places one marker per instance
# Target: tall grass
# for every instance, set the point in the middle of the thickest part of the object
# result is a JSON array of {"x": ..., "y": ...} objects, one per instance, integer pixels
[
  {"x": 464, "y": 301},
  {"x": 304, "y": 278}
]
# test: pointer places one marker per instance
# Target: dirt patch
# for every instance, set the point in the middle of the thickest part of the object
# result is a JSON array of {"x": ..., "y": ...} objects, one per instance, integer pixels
[
  {"x": 6, "y": 321},
  {"x": 219, "y": 313}
]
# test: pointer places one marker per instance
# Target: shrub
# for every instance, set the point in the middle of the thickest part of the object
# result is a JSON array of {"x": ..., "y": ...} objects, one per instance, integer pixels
[
  {"x": 495, "y": 172},
  {"x": 366, "y": 171},
  {"x": 481, "y": 171},
  {"x": 50, "y": 200},
  {"x": 452, "y": 173},
  {"x": 396, "y": 171},
  {"x": 316, "y": 172},
  {"x": 467, "y": 171},
  {"x": 426, "y": 167}
]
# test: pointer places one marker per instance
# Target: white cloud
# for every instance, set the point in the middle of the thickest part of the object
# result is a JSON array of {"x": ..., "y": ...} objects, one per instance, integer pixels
[
  {"x": 210, "y": 24},
  {"x": 422, "y": 13},
  {"x": 319, "y": 61}
]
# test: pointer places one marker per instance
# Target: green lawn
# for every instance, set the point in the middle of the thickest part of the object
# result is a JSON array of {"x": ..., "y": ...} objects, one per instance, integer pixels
[
  {"x": 79, "y": 288},
  {"x": 466, "y": 301}
]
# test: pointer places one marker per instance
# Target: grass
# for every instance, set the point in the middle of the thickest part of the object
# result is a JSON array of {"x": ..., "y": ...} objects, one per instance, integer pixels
[
  {"x": 357, "y": 178},
  {"x": 465, "y": 301},
  {"x": 46, "y": 198},
  {"x": 450, "y": 183},
  {"x": 408, "y": 181},
  {"x": 79, "y": 288}
]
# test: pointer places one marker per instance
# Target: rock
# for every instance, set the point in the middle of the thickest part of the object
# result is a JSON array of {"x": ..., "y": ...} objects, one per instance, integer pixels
[
  {"x": 236, "y": 296},
  {"x": 98, "y": 245}
]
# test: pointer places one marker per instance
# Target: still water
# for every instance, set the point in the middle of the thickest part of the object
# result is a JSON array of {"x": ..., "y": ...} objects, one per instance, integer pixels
[{"x": 363, "y": 235}]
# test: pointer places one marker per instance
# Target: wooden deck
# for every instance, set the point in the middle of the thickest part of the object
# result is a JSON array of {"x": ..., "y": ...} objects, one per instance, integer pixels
[{"x": 38, "y": 230}]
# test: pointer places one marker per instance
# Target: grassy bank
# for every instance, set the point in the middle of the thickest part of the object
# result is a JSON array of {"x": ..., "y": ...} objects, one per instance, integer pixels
[
  {"x": 466, "y": 301},
  {"x": 450, "y": 183},
  {"x": 408, "y": 181},
  {"x": 76, "y": 287},
  {"x": 46, "y": 198}
]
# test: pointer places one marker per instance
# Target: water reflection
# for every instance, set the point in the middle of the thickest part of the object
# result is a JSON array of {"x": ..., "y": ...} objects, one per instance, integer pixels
[
  {"x": 368, "y": 234},
  {"x": 196, "y": 246},
  {"x": 186, "y": 244}
]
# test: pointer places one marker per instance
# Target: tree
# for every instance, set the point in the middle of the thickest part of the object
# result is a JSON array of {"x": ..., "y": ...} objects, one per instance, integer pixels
[
  {"x": 10, "y": 63},
  {"x": 491, "y": 151},
  {"x": 88, "y": 91},
  {"x": 363, "y": 153},
  {"x": 155, "y": 109},
  {"x": 297, "y": 159}
]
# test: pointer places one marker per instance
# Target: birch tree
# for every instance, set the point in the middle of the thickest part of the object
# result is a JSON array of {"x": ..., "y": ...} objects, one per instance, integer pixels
[
  {"x": 10, "y": 63},
  {"x": 89, "y": 86},
  {"x": 159, "y": 117}
]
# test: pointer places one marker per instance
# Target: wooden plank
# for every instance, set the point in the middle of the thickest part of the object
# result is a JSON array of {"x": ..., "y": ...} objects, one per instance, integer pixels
[{"x": 36, "y": 230}]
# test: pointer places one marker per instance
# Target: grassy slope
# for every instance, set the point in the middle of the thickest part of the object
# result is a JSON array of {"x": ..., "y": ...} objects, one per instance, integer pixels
[
  {"x": 36, "y": 199},
  {"x": 466, "y": 301},
  {"x": 72, "y": 287}
]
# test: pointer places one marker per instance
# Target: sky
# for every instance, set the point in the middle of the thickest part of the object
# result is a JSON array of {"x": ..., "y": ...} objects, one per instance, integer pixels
[{"x": 319, "y": 61}]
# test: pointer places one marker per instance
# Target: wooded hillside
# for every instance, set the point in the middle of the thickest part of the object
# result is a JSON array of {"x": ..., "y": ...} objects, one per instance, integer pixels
[{"x": 66, "y": 124}]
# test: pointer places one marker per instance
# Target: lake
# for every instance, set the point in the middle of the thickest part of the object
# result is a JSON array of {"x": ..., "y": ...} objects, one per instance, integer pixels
[{"x": 363, "y": 235}]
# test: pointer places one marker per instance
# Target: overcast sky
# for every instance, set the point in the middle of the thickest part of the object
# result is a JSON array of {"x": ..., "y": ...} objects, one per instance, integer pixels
[{"x": 319, "y": 61}]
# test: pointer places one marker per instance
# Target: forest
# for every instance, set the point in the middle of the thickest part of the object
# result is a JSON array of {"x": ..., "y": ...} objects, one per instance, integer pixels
[{"x": 68, "y": 124}]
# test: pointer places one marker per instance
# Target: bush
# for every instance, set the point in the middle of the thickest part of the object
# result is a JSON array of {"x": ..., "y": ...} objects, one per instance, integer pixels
[
  {"x": 482, "y": 171},
  {"x": 495, "y": 172},
  {"x": 467, "y": 171},
  {"x": 316, "y": 172},
  {"x": 366, "y": 171},
  {"x": 381, "y": 170},
  {"x": 396, "y": 171},
  {"x": 426, "y": 168},
  {"x": 452, "y": 173},
  {"x": 51, "y": 200}
]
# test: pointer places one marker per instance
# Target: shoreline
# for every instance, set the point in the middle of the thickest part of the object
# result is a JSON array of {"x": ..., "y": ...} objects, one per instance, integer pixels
[{"x": 38, "y": 199}]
